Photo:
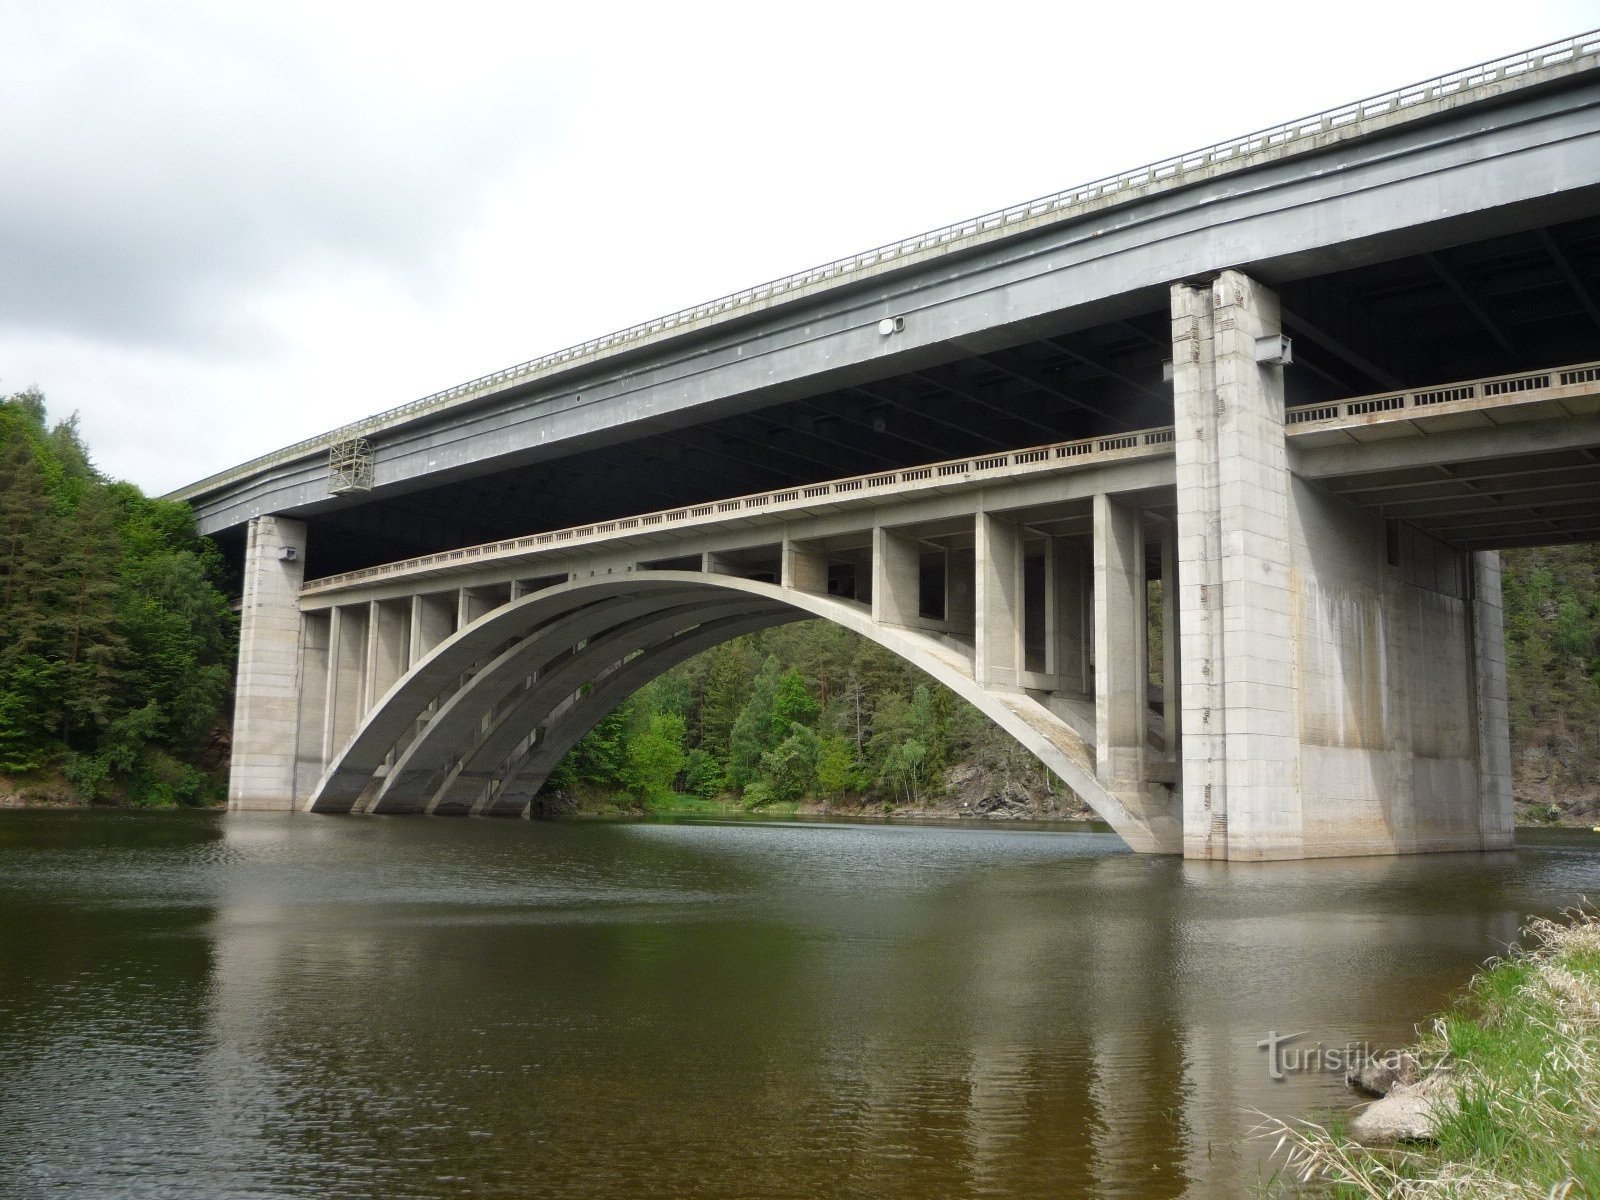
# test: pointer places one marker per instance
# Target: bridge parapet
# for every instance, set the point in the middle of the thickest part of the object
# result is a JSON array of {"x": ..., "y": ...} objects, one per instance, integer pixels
[{"x": 1570, "y": 391}]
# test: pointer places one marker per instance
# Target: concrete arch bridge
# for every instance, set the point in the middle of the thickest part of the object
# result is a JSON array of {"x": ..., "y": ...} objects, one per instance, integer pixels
[
  {"x": 1311, "y": 380},
  {"x": 454, "y": 683}
]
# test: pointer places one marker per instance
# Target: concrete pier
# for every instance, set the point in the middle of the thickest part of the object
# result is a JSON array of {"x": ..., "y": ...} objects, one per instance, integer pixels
[
  {"x": 266, "y": 712},
  {"x": 1343, "y": 677}
]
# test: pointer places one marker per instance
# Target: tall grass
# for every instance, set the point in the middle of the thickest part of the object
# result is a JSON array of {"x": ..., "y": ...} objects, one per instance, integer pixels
[{"x": 1523, "y": 1050}]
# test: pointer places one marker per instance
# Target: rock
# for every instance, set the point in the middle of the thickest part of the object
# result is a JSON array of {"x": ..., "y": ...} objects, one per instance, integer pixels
[
  {"x": 1409, "y": 1113},
  {"x": 1379, "y": 1076}
]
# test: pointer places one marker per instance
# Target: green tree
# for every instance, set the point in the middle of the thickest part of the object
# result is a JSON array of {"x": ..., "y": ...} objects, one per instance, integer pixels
[
  {"x": 702, "y": 774},
  {"x": 116, "y": 644},
  {"x": 727, "y": 691},
  {"x": 600, "y": 756},
  {"x": 792, "y": 704},
  {"x": 789, "y": 769},
  {"x": 87, "y": 638},
  {"x": 836, "y": 766},
  {"x": 655, "y": 756},
  {"x": 754, "y": 731}
]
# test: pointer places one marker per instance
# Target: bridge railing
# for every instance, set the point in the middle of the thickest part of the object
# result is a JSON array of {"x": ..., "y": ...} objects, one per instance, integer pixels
[
  {"x": 934, "y": 477},
  {"x": 1290, "y": 137},
  {"x": 1385, "y": 405}
]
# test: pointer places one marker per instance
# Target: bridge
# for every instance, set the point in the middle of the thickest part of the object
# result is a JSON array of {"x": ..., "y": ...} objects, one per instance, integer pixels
[{"x": 1308, "y": 382}]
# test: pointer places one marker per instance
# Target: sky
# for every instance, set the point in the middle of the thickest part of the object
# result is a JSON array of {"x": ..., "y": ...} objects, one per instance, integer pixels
[{"x": 227, "y": 227}]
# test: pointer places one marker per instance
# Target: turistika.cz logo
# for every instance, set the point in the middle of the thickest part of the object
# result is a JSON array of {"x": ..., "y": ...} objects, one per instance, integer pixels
[{"x": 1284, "y": 1059}]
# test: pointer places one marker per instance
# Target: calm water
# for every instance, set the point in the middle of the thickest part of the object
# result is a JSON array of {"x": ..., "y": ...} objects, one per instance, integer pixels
[{"x": 227, "y": 1007}]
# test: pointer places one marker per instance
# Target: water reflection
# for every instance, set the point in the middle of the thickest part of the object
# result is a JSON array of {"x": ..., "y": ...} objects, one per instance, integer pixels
[{"x": 273, "y": 1006}]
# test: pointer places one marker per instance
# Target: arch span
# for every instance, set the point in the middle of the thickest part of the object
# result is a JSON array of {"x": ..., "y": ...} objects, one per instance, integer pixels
[{"x": 477, "y": 724}]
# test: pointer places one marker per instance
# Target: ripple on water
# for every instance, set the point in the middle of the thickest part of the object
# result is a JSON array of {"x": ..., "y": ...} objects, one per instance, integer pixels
[{"x": 286, "y": 1007}]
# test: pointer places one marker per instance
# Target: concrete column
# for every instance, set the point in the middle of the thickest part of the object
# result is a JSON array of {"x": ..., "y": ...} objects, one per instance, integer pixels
[
  {"x": 477, "y": 602},
  {"x": 1171, "y": 664},
  {"x": 997, "y": 568},
  {"x": 432, "y": 620},
  {"x": 266, "y": 707},
  {"x": 388, "y": 643},
  {"x": 309, "y": 763},
  {"x": 347, "y": 669},
  {"x": 1053, "y": 583},
  {"x": 805, "y": 568},
  {"x": 1120, "y": 669},
  {"x": 960, "y": 582},
  {"x": 895, "y": 577},
  {"x": 1495, "y": 810},
  {"x": 1073, "y": 602},
  {"x": 1237, "y": 659}
]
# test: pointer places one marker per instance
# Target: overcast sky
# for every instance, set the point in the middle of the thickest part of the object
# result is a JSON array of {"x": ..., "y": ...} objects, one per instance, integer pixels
[{"x": 226, "y": 227}]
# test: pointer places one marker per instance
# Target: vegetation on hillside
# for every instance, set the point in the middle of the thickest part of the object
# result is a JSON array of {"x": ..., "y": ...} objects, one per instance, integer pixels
[
  {"x": 116, "y": 644},
  {"x": 1552, "y": 612},
  {"x": 808, "y": 711}
]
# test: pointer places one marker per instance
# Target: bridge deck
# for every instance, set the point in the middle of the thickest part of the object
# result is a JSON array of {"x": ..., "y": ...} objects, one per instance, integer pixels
[
  {"x": 1405, "y": 106},
  {"x": 1477, "y": 407}
]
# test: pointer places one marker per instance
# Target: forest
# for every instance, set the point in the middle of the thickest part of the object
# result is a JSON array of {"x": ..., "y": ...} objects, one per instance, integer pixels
[
  {"x": 117, "y": 644},
  {"x": 116, "y": 638}
]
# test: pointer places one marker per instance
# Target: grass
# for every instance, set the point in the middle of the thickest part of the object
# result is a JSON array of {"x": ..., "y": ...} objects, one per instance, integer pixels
[{"x": 1523, "y": 1044}]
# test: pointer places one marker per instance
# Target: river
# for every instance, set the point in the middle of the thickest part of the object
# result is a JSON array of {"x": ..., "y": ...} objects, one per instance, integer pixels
[{"x": 230, "y": 1007}]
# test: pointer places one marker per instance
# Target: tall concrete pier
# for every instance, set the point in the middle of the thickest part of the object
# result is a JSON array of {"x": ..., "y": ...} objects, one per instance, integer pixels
[{"x": 1192, "y": 479}]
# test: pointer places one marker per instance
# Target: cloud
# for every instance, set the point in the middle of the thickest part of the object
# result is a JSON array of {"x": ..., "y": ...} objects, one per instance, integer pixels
[{"x": 176, "y": 159}]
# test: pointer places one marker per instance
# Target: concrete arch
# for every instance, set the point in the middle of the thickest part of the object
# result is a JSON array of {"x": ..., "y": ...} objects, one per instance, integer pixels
[
  {"x": 569, "y": 721},
  {"x": 616, "y": 632},
  {"x": 436, "y": 773}
]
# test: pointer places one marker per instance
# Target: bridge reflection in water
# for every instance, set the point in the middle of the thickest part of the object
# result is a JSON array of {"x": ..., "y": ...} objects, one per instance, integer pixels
[{"x": 262, "y": 1005}]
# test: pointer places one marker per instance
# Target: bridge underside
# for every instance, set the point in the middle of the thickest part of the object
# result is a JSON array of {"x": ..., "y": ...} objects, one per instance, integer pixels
[{"x": 1374, "y": 316}]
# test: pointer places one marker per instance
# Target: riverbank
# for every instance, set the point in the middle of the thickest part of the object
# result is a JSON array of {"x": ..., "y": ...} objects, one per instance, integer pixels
[
  {"x": 970, "y": 793},
  {"x": 1510, "y": 1085},
  {"x": 52, "y": 789}
]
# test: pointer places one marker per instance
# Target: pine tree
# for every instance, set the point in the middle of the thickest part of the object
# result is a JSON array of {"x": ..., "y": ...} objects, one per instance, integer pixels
[
  {"x": 88, "y": 642},
  {"x": 753, "y": 734},
  {"x": 27, "y": 542},
  {"x": 727, "y": 691}
]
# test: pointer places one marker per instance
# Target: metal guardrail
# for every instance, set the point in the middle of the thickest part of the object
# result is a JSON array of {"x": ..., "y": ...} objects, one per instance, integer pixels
[
  {"x": 1493, "y": 387},
  {"x": 1054, "y": 456},
  {"x": 1525, "y": 387},
  {"x": 1290, "y": 137}
]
